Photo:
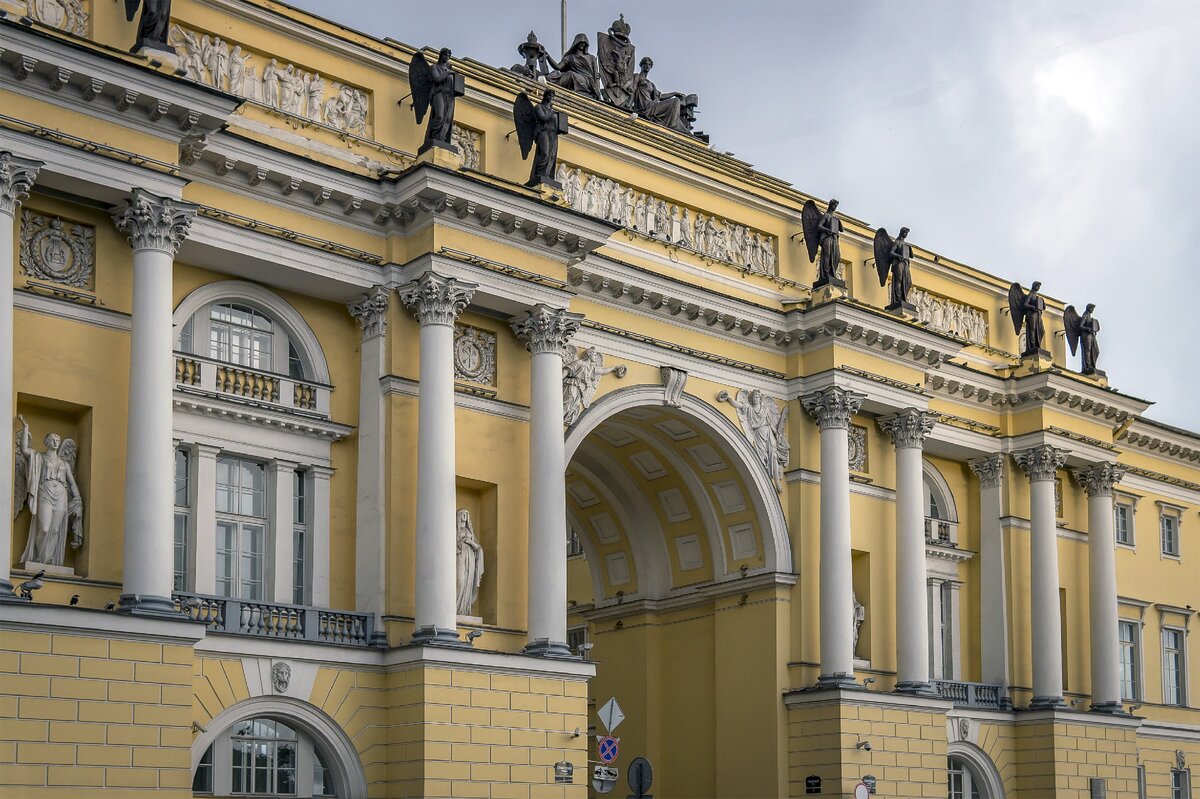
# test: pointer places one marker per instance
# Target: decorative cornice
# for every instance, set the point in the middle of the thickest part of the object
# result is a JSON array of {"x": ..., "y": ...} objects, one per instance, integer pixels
[
  {"x": 154, "y": 223},
  {"x": 1098, "y": 480},
  {"x": 908, "y": 428},
  {"x": 989, "y": 469},
  {"x": 546, "y": 329},
  {"x": 832, "y": 407},
  {"x": 1040, "y": 462},
  {"x": 436, "y": 300},
  {"x": 371, "y": 312},
  {"x": 17, "y": 176}
]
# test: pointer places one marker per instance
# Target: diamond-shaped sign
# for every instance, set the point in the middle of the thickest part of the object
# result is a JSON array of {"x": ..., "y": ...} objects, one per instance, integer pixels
[{"x": 611, "y": 715}]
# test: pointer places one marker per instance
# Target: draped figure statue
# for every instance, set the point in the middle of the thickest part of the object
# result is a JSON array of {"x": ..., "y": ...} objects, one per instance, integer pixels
[
  {"x": 45, "y": 481},
  {"x": 470, "y": 563}
]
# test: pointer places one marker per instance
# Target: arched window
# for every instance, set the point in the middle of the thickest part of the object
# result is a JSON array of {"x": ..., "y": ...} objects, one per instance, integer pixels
[
  {"x": 970, "y": 774},
  {"x": 265, "y": 756},
  {"x": 241, "y": 334},
  {"x": 941, "y": 518}
]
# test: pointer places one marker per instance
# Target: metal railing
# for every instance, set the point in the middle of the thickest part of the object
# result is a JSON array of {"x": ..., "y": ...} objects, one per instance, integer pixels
[
  {"x": 969, "y": 694},
  {"x": 276, "y": 620}
]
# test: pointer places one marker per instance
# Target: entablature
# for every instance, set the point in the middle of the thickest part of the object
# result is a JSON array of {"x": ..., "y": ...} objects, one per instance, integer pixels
[
  {"x": 862, "y": 328},
  {"x": 1161, "y": 440}
]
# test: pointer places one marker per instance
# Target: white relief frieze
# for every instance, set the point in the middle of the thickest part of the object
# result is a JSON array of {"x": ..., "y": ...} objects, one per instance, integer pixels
[
  {"x": 70, "y": 16},
  {"x": 857, "y": 443},
  {"x": 474, "y": 355},
  {"x": 468, "y": 143},
  {"x": 710, "y": 236},
  {"x": 57, "y": 251},
  {"x": 216, "y": 62},
  {"x": 947, "y": 316}
]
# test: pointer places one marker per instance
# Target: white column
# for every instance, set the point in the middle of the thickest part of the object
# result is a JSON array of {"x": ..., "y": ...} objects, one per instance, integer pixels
[
  {"x": 16, "y": 178},
  {"x": 205, "y": 551},
  {"x": 908, "y": 430},
  {"x": 370, "y": 554},
  {"x": 993, "y": 586},
  {"x": 283, "y": 475},
  {"x": 832, "y": 408},
  {"x": 436, "y": 301},
  {"x": 1098, "y": 482},
  {"x": 156, "y": 227},
  {"x": 546, "y": 332},
  {"x": 1041, "y": 463},
  {"x": 319, "y": 530}
]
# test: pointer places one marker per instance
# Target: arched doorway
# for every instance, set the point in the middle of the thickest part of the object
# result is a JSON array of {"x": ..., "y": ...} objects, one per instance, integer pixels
[{"x": 683, "y": 587}]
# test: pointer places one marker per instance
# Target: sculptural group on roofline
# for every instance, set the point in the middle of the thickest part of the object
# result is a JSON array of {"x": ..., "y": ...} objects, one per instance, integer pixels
[{"x": 609, "y": 76}]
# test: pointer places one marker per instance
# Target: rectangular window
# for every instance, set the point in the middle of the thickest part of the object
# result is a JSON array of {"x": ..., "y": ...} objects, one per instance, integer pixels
[
  {"x": 1131, "y": 679},
  {"x": 1141, "y": 782},
  {"x": 1123, "y": 523},
  {"x": 1169, "y": 525},
  {"x": 1173, "y": 666},
  {"x": 574, "y": 547},
  {"x": 1181, "y": 784},
  {"x": 182, "y": 514},
  {"x": 299, "y": 539},
  {"x": 947, "y": 628},
  {"x": 576, "y": 637},
  {"x": 241, "y": 527}
]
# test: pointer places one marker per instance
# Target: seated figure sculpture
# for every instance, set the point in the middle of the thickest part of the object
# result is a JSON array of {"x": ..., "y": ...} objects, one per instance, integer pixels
[{"x": 671, "y": 110}]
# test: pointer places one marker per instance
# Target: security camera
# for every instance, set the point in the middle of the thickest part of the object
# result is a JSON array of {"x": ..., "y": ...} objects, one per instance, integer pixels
[
  {"x": 864, "y": 745},
  {"x": 472, "y": 635}
]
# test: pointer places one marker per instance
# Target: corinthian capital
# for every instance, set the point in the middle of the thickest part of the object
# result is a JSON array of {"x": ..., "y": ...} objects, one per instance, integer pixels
[
  {"x": 436, "y": 300},
  {"x": 1098, "y": 480},
  {"x": 989, "y": 469},
  {"x": 1040, "y": 462},
  {"x": 546, "y": 329},
  {"x": 908, "y": 428},
  {"x": 153, "y": 222},
  {"x": 16, "y": 178},
  {"x": 371, "y": 312},
  {"x": 832, "y": 407}
]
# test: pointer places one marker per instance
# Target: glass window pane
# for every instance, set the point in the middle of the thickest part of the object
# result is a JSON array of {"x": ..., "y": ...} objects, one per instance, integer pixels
[
  {"x": 180, "y": 554},
  {"x": 181, "y": 478}
]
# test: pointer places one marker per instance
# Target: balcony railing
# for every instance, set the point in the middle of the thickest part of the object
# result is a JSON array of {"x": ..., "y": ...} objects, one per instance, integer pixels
[
  {"x": 937, "y": 531},
  {"x": 969, "y": 694},
  {"x": 220, "y": 379},
  {"x": 275, "y": 620}
]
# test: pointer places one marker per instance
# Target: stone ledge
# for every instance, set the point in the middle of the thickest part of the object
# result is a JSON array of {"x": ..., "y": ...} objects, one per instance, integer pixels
[
  {"x": 812, "y": 696},
  {"x": 28, "y": 617}
]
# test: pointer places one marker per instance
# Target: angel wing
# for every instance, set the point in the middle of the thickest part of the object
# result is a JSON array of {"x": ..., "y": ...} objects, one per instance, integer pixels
[
  {"x": 420, "y": 83},
  {"x": 20, "y": 479},
  {"x": 1016, "y": 306},
  {"x": 68, "y": 451},
  {"x": 1071, "y": 319},
  {"x": 526, "y": 122},
  {"x": 810, "y": 221},
  {"x": 883, "y": 254}
]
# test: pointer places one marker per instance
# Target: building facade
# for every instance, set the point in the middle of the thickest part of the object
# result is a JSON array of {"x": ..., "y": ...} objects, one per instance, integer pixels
[{"x": 352, "y": 472}]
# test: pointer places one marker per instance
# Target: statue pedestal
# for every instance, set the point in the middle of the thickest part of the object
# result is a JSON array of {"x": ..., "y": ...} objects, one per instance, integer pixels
[
  {"x": 1099, "y": 377},
  {"x": 828, "y": 292},
  {"x": 902, "y": 309},
  {"x": 155, "y": 52},
  {"x": 1040, "y": 361},
  {"x": 440, "y": 155},
  {"x": 470, "y": 619},
  {"x": 552, "y": 193},
  {"x": 33, "y": 567}
]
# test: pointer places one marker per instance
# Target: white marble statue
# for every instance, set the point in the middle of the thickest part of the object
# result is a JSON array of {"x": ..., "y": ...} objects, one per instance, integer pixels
[
  {"x": 581, "y": 378},
  {"x": 764, "y": 423},
  {"x": 270, "y": 84},
  {"x": 470, "y": 563},
  {"x": 45, "y": 481},
  {"x": 238, "y": 63},
  {"x": 860, "y": 614}
]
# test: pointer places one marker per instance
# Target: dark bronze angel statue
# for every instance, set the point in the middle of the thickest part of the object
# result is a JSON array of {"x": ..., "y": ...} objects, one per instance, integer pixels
[
  {"x": 894, "y": 257},
  {"x": 434, "y": 88},
  {"x": 1081, "y": 334},
  {"x": 152, "y": 27},
  {"x": 822, "y": 233},
  {"x": 538, "y": 128},
  {"x": 1026, "y": 311}
]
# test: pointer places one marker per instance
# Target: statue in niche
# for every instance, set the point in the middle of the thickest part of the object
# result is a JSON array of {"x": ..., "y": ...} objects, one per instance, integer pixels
[
  {"x": 765, "y": 425},
  {"x": 578, "y": 69},
  {"x": 1081, "y": 334},
  {"x": 45, "y": 481},
  {"x": 822, "y": 235},
  {"x": 1026, "y": 311},
  {"x": 434, "y": 89},
  {"x": 470, "y": 563},
  {"x": 581, "y": 378},
  {"x": 535, "y": 58},
  {"x": 669, "y": 110},
  {"x": 538, "y": 128},
  {"x": 616, "y": 63},
  {"x": 860, "y": 615},
  {"x": 152, "y": 26},
  {"x": 894, "y": 256}
]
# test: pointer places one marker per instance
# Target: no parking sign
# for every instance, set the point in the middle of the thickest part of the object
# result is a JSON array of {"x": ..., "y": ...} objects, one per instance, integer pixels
[{"x": 608, "y": 748}]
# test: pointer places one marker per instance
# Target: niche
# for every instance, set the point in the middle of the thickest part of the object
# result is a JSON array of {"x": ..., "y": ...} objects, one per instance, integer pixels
[
  {"x": 478, "y": 499},
  {"x": 863, "y": 606},
  {"x": 73, "y": 425}
]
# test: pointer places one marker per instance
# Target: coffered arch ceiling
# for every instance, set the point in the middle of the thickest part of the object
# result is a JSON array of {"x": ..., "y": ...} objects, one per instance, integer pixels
[{"x": 666, "y": 500}]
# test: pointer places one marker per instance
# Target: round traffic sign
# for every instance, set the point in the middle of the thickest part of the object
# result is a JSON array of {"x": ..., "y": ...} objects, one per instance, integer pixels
[
  {"x": 861, "y": 791},
  {"x": 641, "y": 776},
  {"x": 608, "y": 749}
]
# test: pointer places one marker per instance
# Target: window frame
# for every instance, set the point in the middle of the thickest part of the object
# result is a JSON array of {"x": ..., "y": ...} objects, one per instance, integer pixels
[
  {"x": 302, "y": 506},
  {"x": 183, "y": 531},
  {"x": 1126, "y": 502},
  {"x": 1134, "y": 647},
  {"x": 243, "y": 523},
  {"x": 220, "y": 763},
  {"x": 287, "y": 355},
  {"x": 1182, "y": 789},
  {"x": 1181, "y": 684}
]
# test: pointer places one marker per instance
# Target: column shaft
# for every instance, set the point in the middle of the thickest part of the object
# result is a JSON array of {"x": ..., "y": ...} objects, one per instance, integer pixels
[
  {"x": 832, "y": 408},
  {"x": 993, "y": 586},
  {"x": 1098, "y": 482},
  {"x": 546, "y": 332},
  {"x": 16, "y": 178}
]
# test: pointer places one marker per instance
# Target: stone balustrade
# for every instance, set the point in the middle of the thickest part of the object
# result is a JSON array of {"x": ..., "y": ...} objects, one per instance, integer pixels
[{"x": 219, "y": 379}]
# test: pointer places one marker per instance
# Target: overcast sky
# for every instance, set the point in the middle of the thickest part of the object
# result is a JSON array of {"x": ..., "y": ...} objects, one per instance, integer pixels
[{"x": 1052, "y": 141}]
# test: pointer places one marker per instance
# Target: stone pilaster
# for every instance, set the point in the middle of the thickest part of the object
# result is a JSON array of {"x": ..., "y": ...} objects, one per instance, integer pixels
[
  {"x": 1098, "y": 481},
  {"x": 993, "y": 585}
]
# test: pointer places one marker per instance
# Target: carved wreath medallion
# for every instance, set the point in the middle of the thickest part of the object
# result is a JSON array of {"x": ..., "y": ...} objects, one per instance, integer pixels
[
  {"x": 474, "y": 356},
  {"x": 57, "y": 251}
]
